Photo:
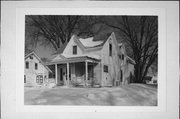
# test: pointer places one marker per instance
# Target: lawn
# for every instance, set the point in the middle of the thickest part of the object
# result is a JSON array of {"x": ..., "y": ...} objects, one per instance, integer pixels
[{"x": 126, "y": 95}]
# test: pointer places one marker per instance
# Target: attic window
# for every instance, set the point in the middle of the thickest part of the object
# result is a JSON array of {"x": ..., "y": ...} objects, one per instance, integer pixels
[
  {"x": 74, "y": 50},
  {"x": 110, "y": 49},
  {"x": 31, "y": 57}
]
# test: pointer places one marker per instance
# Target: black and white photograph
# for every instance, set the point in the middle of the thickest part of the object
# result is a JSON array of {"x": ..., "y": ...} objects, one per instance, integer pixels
[{"x": 91, "y": 60}]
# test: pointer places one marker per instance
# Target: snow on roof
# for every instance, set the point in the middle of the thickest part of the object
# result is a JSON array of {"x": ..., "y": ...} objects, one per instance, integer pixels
[
  {"x": 120, "y": 44},
  {"x": 88, "y": 42}
]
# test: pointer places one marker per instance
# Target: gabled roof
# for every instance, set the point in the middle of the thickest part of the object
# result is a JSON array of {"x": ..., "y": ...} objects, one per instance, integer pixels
[
  {"x": 30, "y": 52},
  {"x": 87, "y": 43},
  {"x": 60, "y": 50},
  {"x": 94, "y": 42},
  {"x": 27, "y": 51}
]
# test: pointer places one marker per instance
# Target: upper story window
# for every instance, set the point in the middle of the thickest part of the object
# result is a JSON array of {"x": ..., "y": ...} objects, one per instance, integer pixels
[
  {"x": 27, "y": 65},
  {"x": 31, "y": 57},
  {"x": 106, "y": 68},
  {"x": 110, "y": 49},
  {"x": 24, "y": 78},
  {"x": 122, "y": 56},
  {"x": 119, "y": 56},
  {"x": 74, "y": 49},
  {"x": 36, "y": 66}
]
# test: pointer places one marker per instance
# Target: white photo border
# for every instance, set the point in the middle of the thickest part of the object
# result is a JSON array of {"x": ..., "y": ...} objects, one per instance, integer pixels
[
  {"x": 160, "y": 12},
  {"x": 12, "y": 60}
]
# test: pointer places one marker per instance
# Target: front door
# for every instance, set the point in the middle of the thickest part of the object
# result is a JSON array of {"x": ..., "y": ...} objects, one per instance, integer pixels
[
  {"x": 61, "y": 74},
  {"x": 65, "y": 76},
  {"x": 61, "y": 82}
]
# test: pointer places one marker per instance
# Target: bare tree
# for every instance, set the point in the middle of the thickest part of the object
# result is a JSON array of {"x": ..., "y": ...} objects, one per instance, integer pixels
[
  {"x": 55, "y": 31},
  {"x": 141, "y": 34}
]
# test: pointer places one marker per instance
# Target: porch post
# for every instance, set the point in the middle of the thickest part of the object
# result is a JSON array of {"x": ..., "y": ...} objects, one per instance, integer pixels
[
  {"x": 93, "y": 75},
  {"x": 56, "y": 73},
  {"x": 86, "y": 69},
  {"x": 43, "y": 76},
  {"x": 68, "y": 73}
]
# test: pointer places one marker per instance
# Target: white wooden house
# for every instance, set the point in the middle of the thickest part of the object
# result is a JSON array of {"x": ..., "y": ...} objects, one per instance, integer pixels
[
  {"x": 85, "y": 61},
  {"x": 35, "y": 72}
]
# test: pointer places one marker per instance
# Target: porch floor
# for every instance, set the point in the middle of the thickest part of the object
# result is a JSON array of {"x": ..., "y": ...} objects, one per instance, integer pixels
[{"x": 128, "y": 95}]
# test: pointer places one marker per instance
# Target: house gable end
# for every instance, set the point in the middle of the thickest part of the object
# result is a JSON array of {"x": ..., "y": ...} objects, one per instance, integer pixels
[
  {"x": 69, "y": 47},
  {"x": 37, "y": 58},
  {"x": 111, "y": 40}
]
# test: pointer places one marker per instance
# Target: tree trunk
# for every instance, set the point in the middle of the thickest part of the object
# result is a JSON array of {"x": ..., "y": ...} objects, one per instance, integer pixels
[{"x": 138, "y": 72}]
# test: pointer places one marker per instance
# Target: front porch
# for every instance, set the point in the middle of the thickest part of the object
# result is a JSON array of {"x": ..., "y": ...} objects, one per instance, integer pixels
[{"x": 76, "y": 71}]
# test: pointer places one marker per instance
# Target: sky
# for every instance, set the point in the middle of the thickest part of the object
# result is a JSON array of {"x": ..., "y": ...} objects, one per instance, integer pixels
[{"x": 43, "y": 52}]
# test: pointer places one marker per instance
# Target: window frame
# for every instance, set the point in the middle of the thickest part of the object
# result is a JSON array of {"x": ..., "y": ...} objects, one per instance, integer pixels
[
  {"x": 36, "y": 67},
  {"x": 121, "y": 75},
  {"x": 122, "y": 56},
  {"x": 74, "y": 49},
  {"x": 24, "y": 78},
  {"x": 110, "y": 49},
  {"x": 31, "y": 57},
  {"x": 27, "y": 65},
  {"x": 105, "y": 68}
]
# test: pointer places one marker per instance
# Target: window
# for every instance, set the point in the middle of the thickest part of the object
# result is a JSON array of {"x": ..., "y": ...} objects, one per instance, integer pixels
[
  {"x": 119, "y": 56},
  {"x": 122, "y": 57},
  {"x": 121, "y": 76},
  {"x": 36, "y": 66},
  {"x": 31, "y": 57},
  {"x": 24, "y": 78},
  {"x": 39, "y": 79},
  {"x": 106, "y": 68},
  {"x": 155, "y": 81},
  {"x": 27, "y": 65},
  {"x": 74, "y": 49},
  {"x": 110, "y": 49}
]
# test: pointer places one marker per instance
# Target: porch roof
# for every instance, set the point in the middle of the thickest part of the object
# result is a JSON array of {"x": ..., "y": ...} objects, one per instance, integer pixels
[{"x": 74, "y": 60}]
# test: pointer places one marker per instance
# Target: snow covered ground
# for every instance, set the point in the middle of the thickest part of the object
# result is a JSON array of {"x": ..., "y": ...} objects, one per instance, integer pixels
[{"x": 126, "y": 95}]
